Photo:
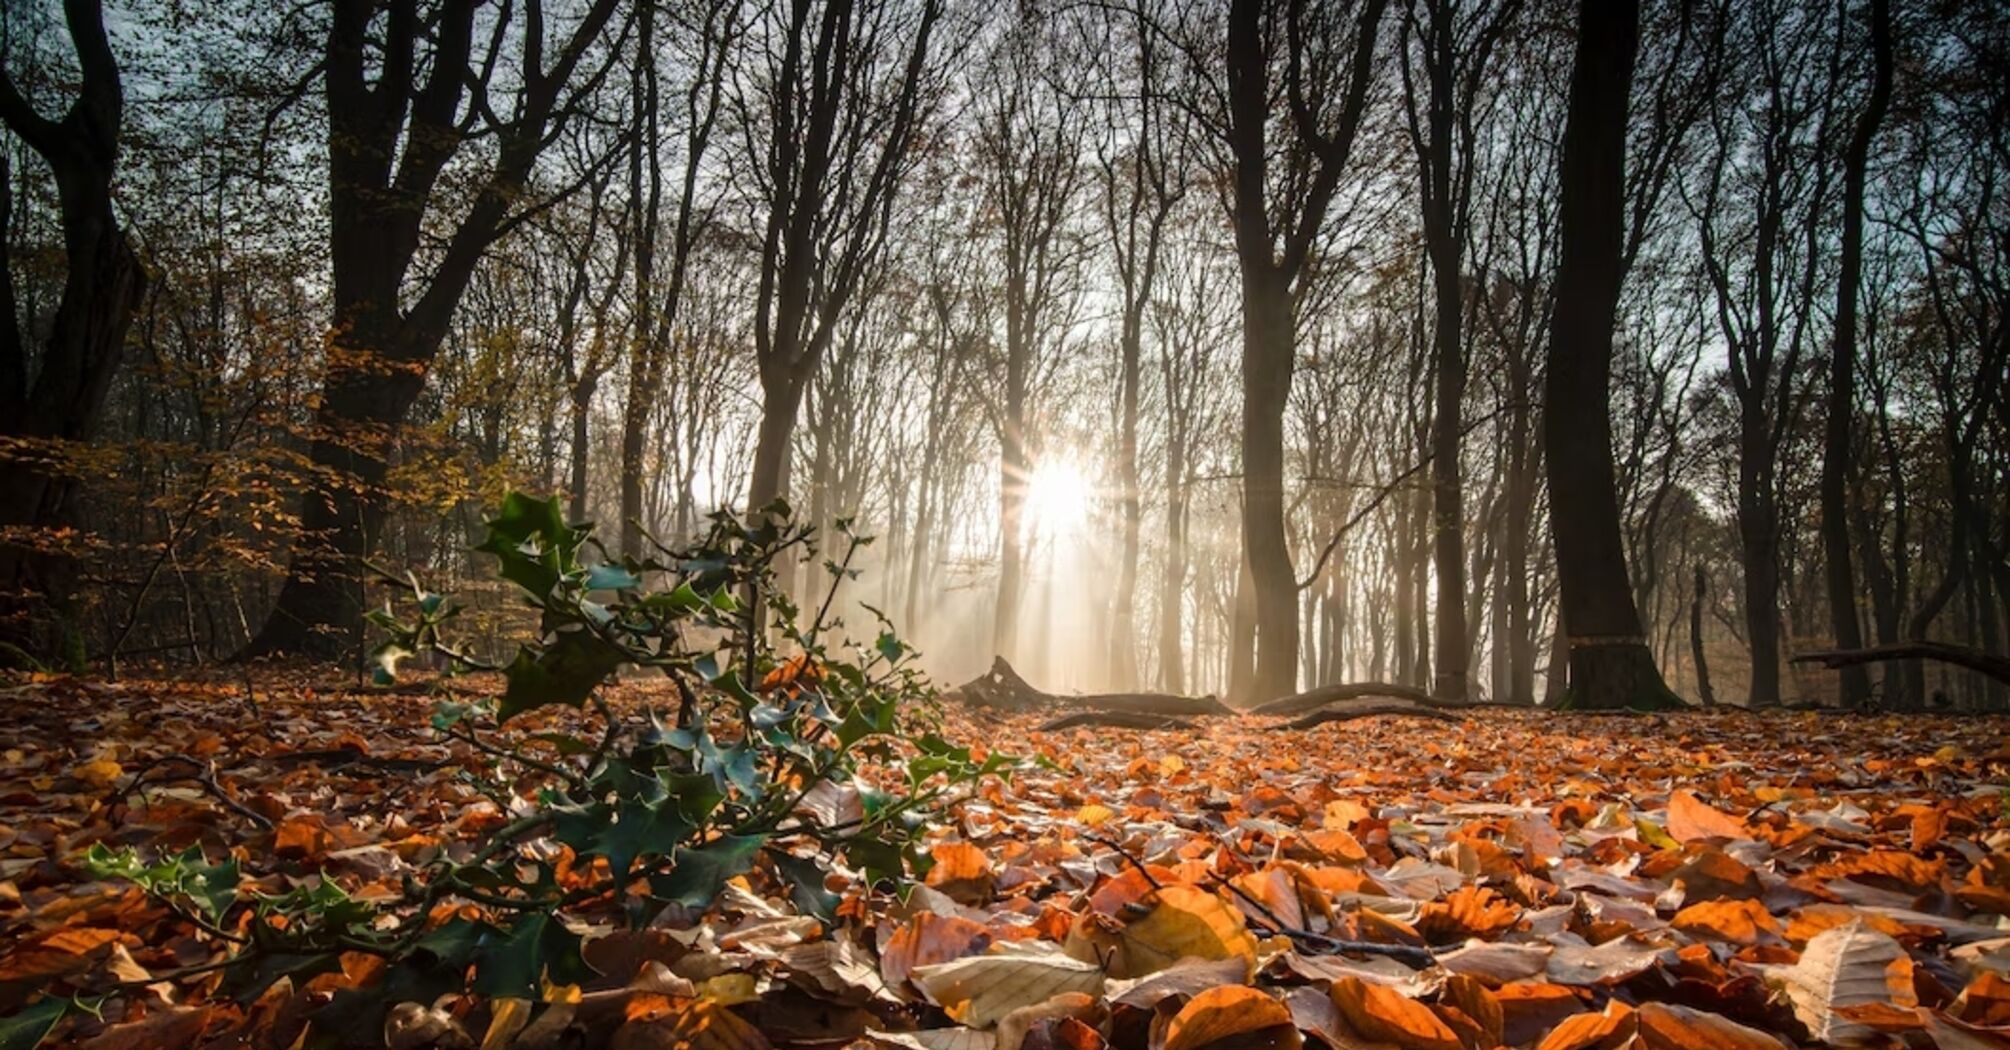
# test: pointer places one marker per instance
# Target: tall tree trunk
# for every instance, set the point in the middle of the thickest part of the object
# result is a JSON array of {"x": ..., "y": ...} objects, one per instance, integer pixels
[
  {"x": 389, "y": 144},
  {"x": 1837, "y": 446},
  {"x": 1448, "y": 518},
  {"x": 1172, "y": 583},
  {"x": 1267, "y": 342},
  {"x": 1759, "y": 548},
  {"x": 1703, "y": 689},
  {"x": 103, "y": 283},
  {"x": 1610, "y": 663}
]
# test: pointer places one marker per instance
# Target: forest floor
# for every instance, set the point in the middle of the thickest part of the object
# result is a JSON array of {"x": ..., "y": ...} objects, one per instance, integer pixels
[{"x": 1523, "y": 879}]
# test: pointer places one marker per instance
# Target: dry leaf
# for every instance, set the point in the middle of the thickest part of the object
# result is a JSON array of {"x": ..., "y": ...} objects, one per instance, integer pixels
[
  {"x": 1847, "y": 967},
  {"x": 1691, "y": 818},
  {"x": 980, "y": 989},
  {"x": 1665, "y": 1026},
  {"x": 1232, "y": 1016},
  {"x": 1382, "y": 1013}
]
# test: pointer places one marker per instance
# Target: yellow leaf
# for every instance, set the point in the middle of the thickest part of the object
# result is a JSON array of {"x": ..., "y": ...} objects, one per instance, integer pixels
[
  {"x": 100, "y": 773},
  {"x": 507, "y": 1016},
  {"x": 729, "y": 989},
  {"x": 1095, "y": 814},
  {"x": 1185, "y": 922},
  {"x": 978, "y": 990}
]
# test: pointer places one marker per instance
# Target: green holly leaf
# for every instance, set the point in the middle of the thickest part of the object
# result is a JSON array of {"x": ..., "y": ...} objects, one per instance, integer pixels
[{"x": 700, "y": 872}]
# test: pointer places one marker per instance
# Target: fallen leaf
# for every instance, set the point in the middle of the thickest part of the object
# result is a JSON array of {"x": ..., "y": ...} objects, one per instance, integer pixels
[
  {"x": 1666, "y": 1026},
  {"x": 1382, "y": 1013},
  {"x": 1609, "y": 1030},
  {"x": 980, "y": 989},
  {"x": 1847, "y": 967},
  {"x": 1744, "y": 923},
  {"x": 1691, "y": 818},
  {"x": 1232, "y": 1015}
]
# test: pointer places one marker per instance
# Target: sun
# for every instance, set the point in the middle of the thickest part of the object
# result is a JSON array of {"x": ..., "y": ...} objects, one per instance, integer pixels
[{"x": 1058, "y": 497}]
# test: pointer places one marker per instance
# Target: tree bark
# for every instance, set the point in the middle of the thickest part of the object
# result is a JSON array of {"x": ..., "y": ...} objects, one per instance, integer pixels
[
  {"x": 1703, "y": 690},
  {"x": 1610, "y": 664},
  {"x": 1837, "y": 445},
  {"x": 103, "y": 283},
  {"x": 389, "y": 144}
]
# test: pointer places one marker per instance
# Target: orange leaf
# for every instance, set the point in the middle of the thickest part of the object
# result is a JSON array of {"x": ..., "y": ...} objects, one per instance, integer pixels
[
  {"x": 1469, "y": 911},
  {"x": 56, "y": 953},
  {"x": 1385, "y": 1014},
  {"x": 1605, "y": 1031},
  {"x": 687, "y": 1024},
  {"x": 930, "y": 939},
  {"x": 962, "y": 871},
  {"x": 1692, "y": 818},
  {"x": 1667, "y": 1027},
  {"x": 1742, "y": 923},
  {"x": 1232, "y": 1012}
]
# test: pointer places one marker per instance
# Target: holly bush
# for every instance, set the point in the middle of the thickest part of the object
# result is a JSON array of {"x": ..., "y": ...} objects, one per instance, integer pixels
[{"x": 759, "y": 765}]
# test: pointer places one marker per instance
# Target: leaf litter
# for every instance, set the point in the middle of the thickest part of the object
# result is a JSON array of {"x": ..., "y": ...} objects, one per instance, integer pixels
[{"x": 1522, "y": 879}]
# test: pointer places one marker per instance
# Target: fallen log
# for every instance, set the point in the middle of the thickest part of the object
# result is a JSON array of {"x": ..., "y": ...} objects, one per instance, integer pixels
[
  {"x": 1002, "y": 687},
  {"x": 1115, "y": 720},
  {"x": 1320, "y": 696},
  {"x": 1348, "y": 710},
  {"x": 1976, "y": 660}
]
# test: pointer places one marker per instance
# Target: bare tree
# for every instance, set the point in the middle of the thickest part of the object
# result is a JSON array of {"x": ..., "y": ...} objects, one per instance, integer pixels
[
  {"x": 55, "y": 396},
  {"x": 1324, "y": 53},
  {"x": 1610, "y": 663},
  {"x": 831, "y": 123},
  {"x": 390, "y": 141},
  {"x": 1837, "y": 447}
]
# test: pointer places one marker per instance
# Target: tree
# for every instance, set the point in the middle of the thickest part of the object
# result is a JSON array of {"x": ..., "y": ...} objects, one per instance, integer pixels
[
  {"x": 1611, "y": 665},
  {"x": 848, "y": 88},
  {"x": 1837, "y": 448},
  {"x": 391, "y": 140},
  {"x": 1453, "y": 56},
  {"x": 1278, "y": 207},
  {"x": 1143, "y": 179},
  {"x": 656, "y": 307},
  {"x": 1029, "y": 145},
  {"x": 55, "y": 398}
]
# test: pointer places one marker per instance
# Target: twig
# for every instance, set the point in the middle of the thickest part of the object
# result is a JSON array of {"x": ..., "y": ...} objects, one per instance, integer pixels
[
  {"x": 1403, "y": 952},
  {"x": 1129, "y": 856},
  {"x": 205, "y": 775}
]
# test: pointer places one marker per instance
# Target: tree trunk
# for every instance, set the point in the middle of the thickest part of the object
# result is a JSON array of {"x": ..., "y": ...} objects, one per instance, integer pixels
[
  {"x": 1448, "y": 520},
  {"x": 103, "y": 283},
  {"x": 1610, "y": 664},
  {"x": 1267, "y": 341},
  {"x": 1837, "y": 448},
  {"x": 1172, "y": 585},
  {"x": 1703, "y": 690}
]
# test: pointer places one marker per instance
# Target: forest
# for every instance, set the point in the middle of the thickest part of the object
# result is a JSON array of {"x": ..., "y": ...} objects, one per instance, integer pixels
[{"x": 1073, "y": 523}]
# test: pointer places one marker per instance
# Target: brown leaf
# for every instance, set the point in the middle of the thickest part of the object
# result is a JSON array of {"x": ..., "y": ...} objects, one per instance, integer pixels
[
  {"x": 1744, "y": 923},
  {"x": 930, "y": 939},
  {"x": 1232, "y": 1016},
  {"x": 56, "y": 953},
  {"x": 1529, "y": 1009},
  {"x": 1384, "y": 1014},
  {"x": 1665, "y": 1026},
  {"x": 1013, "y": 1027},
  {"x": 1691, "y": 818}
]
